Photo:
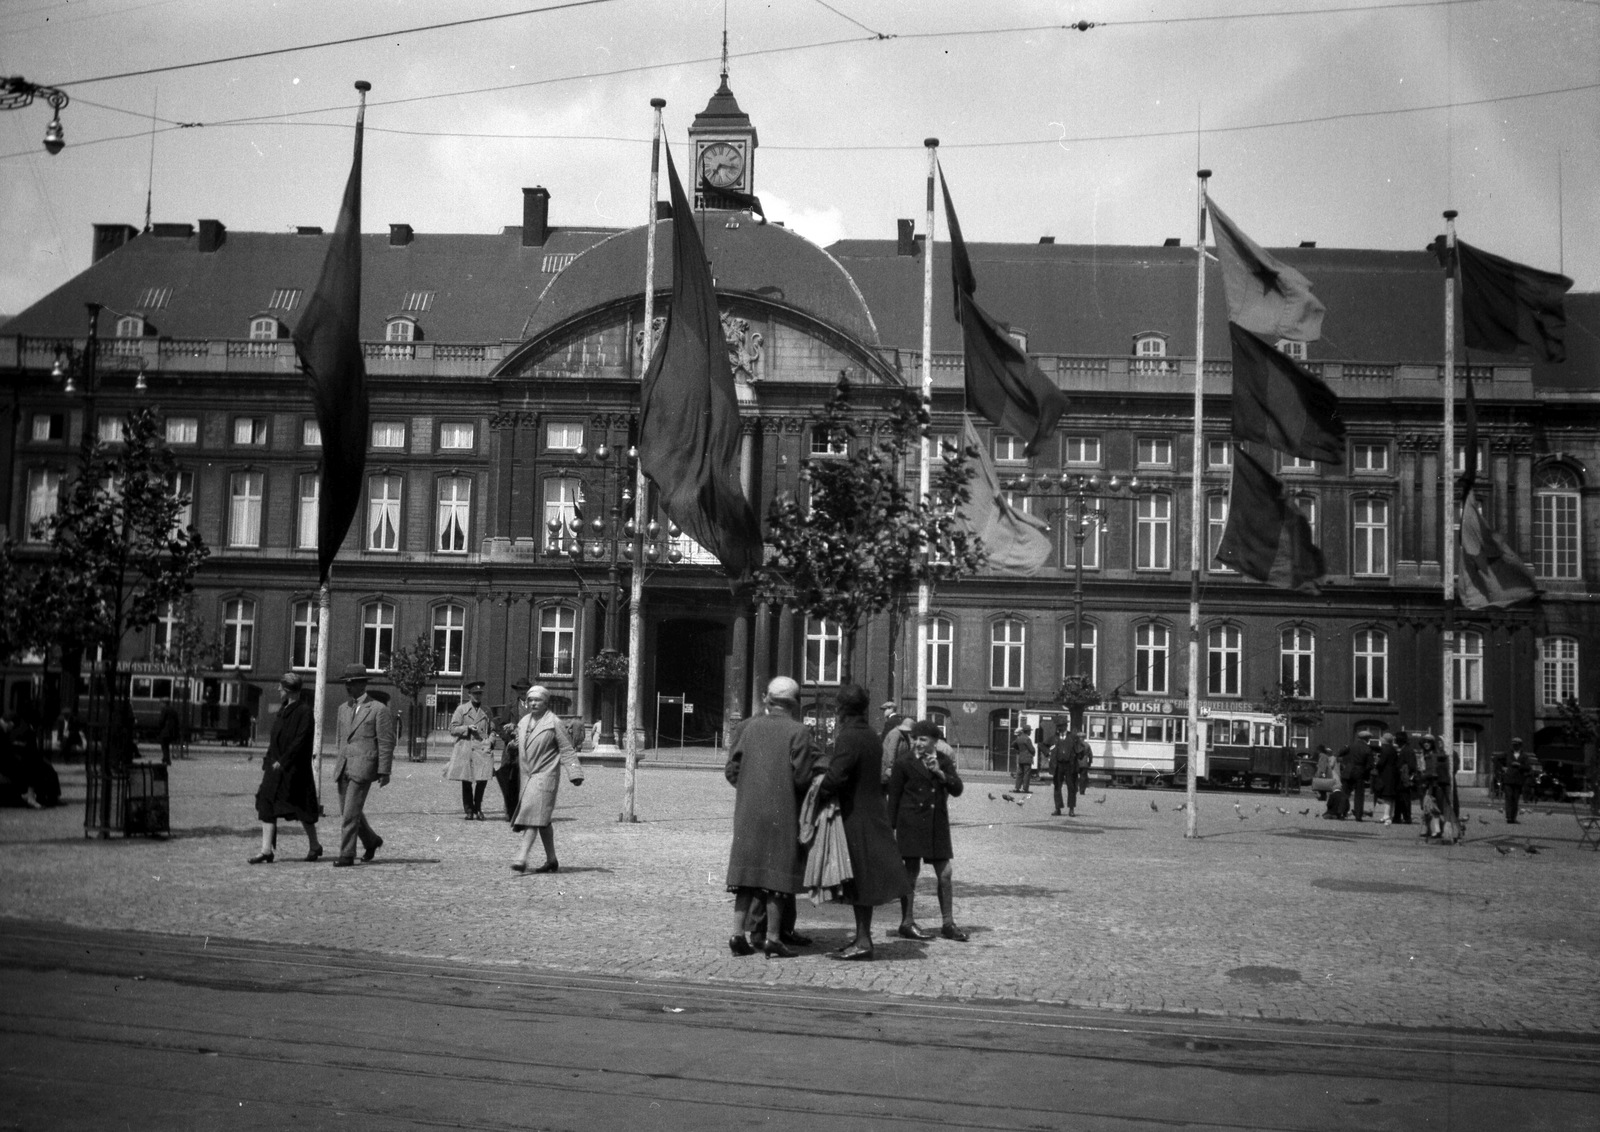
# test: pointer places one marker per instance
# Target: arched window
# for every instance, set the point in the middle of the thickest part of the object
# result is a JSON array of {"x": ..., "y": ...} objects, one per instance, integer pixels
[
  {"x": 238, "y": 633},
  {"x": 1370, "y": 650},
  {"x": 266, "y": 327},
  {"x": 377, "y": 635},
  {"x": 558, "y": 628},
  {"x": 1224, "y": 656},
  {"x": 1466, "y": 666},
  {"x": 1558, "y": 669},
  {"x": 1086, "y": 663},
  {"x": 1007, "y": 654},
  {"x": 824, "y": 651},
  {"x": 941, "y": 652},
  {"x": 130, "y": 326},
  {"x": 1557, "y": 541},
  {"x": 401, "y": 330},
  {"x": 1151, "y": 650},
  {"x": 1149, "y": 354},
  {"x": 450, "y": 638},
  {"x": 1297, "y": 654}
]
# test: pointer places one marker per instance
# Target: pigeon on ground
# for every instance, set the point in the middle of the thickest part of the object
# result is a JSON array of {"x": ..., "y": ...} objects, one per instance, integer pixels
[
  {"x": 1180, "y": 807},
  {"x": 1236, "y": 808},
  {"x": 1482, "y": 820},
  {"x": 1022, "y": 801},
  {"x": 992, "y": 795},
  {"x": 1307, "y": 810},
  {"x": 1530, "y": 849},
  {"x": 1258, "y": 804},
  {"x": 1008, "y": 797},
  {"x": 1502, "y": 849},
  {"x": 1153, "y": 807},
  {"x": 1100, "y": 801},
  {"x": 1244, "y": 817},
  {"x": 1281, "y": 810}
]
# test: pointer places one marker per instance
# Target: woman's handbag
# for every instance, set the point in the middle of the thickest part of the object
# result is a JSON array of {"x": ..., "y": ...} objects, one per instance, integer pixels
[{"x": 1329, "y": 784}]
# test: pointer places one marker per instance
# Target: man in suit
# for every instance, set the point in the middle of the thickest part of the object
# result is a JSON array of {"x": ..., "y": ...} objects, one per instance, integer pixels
[
  {"x": 1514, "y": 778},
  {"x": 1356, "y": 768},
  {"x": 366, "y": 755},
  {"x": 1067, "y": 754}
]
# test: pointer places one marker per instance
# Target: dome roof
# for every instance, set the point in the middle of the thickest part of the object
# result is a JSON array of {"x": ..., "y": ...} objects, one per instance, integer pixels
[{"x": 763, "y": 263}]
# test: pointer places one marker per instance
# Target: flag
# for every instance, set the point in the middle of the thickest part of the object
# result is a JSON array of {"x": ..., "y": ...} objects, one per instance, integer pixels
[
  {"x": 748, "y": 201},
  {"x": 1004, "y": 386},
  {"x": 1489, "y": 573},
  {"x": 1016, "y": 542},
  {"x": 1278, "y": 402},
  {"x": 689, "y": 413},
  {"x": 1506, "y": 305},
  {"x": 329, "y": 345},
  {"x": 1264, "y": 294},
  {"x": 1266, "y": 536}
]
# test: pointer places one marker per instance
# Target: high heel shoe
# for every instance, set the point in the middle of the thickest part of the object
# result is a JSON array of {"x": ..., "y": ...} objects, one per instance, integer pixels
[
  {"x": 262, "y": 858},
  {"x": 772, "y": 949},
  {"x": 549, "y": 866},
  {"x": 315, "y": 853},
  {"x": 740, "y": 946}
]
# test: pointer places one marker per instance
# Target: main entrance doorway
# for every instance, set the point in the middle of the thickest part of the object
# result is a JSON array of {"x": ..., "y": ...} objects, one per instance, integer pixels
[{"x": 687, "y": 708}]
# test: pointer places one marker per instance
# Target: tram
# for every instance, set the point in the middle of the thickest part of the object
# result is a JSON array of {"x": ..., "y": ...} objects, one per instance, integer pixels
[{"x": 1242, "y": 748}]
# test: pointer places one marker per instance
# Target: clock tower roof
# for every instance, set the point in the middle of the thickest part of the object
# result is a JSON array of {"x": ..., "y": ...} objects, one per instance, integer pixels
[{"x": 723, "y": 113}]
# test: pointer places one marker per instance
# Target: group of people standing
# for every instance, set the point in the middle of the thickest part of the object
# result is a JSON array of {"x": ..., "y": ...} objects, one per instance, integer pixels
[
  {"x": 890, "y": 792},
  {"x": 1399, "y": 769},
  {"x": 1070, "y": 759}
]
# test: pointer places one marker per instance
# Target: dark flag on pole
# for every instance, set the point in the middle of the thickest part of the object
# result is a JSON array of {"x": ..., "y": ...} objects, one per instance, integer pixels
[
  {"x": 1004, "y": 386},
  {"x": 1266, "y": 537},
  {"x": 1278, "y": 402},
  {"x": 1506, "y": 305},
  {"x": 1489, "y": 573},
  {"x": 748, "y": 201},
  {"x": 689, "y": 412},
  {"x": 329, "y": 346},
  {"x": 1265, "y": 295},
  {"x": 1016, "y": 542}
]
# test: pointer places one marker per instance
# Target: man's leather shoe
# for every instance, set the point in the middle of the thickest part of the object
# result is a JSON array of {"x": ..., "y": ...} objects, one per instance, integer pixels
[
  {"x": 772, "y": 949},
  {"x": 950, "y": 931},
  {"x": 345, "y": 863},
  {"x": 852, "y": 953},
  {"x": 519, "y": 866},
  {"x": 261, "y": 859},
  {"x": 911, "y": 931},
  {"x": 371, "y": 851},
  {"x": 548, "y": 867},
  {"x": 740, "y": 946},
  {"x": 794, "y": 939}
]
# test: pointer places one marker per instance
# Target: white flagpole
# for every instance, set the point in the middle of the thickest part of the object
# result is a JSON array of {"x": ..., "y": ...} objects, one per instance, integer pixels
[
  {"x": 924, "y": 596},
  {"x": 1447, "y": 554},
  {"x": 641, "y": 493},
  {"x": 1197, "y": 529},
  {"x": 320, "y": 696}
]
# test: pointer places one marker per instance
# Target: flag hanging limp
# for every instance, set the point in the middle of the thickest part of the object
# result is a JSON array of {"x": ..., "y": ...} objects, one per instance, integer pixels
[
  {"x": 1016, "y": 542},
  {"x": 1264, "y": 294},
  {"x": 1489, "y": 572},
  {"x": 1003, "y": 385},
  {"x": 328, "y": 341},
  {"x": 1278, "y": 402},
  {"x": 689, "y": 411},
  {"x": 1266, "y": 536},
  {"x": 1506, "y": 305}
]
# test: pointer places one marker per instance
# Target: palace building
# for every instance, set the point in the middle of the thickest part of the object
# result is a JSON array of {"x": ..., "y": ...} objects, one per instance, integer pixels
[{"x": 504, "y": 372}]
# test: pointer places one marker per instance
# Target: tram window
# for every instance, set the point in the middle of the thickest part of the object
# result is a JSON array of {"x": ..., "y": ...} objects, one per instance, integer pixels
[
  {"x": 1097, "y": 727},
  {"x": 1117, "y": 727},
  {"x": 1241, "y": 733},
  {"x": 1136, "y": 729},
  {"x": 141, "y": 688},
  {"x": 1176, "y": 730}
]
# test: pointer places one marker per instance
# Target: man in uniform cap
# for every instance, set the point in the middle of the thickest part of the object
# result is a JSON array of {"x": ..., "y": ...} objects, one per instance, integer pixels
[
  {"x": 471, "y": 763},
  {"x": 1514, "y": 778},
  {"x": 366, "y": 755}
]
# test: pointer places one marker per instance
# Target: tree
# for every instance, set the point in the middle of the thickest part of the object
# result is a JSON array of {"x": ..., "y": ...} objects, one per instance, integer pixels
[
  {"x": 1583, "y": 728},
  {"x": 1287, "y": 704},
  {"x": 192, "y": 648},
  {"x": 412, "y": 669},
  {"x": 863, "y": 538}
]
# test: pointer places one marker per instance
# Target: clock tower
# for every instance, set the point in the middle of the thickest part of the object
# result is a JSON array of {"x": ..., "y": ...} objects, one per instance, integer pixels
[{"x": 724, "y": 145}]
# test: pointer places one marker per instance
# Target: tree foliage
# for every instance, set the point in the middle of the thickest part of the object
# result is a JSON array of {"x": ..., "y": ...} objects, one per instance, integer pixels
[
  {"x": 863, "y": 537},
  {"x": 413, "y": 668},
  {"x": 1285, "y": 702}
]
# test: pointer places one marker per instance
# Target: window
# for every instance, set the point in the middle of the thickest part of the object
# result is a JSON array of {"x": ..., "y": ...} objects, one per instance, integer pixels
[
  {"x": 1216, "y": 524},
  {"x": 1461, "y": 457},
  {"x": 1085, "y": 663},
  {"x": 131, "y": 325},
  {"x": 456, "y": 436},
  {"x": 563, "y": 436},
  {"x": 449, "y": 638},
  {"x": 284, "y": 299},
  {"x": 1153, "y": 452},
  {"x": 44, "y": 494},
  {"x": 1007, "y": 640},
  {"x": 183, "y": 493},
  {"x": 418, "y": 301},
  {"x": 563, "y": 499},
  {"x": 244, "y": 509},
  {"x": 823, "y": 444},
  {"x": 1008, "y": 448},
  {"x": 1219, "y": 454},
  {"x": 183, "y": 430},
  {"x": 306, "y": 514},
  {"x": 1151, "y": 645},
  {"x": 250, "y": 430},
  {"x": 1370, "y": 647},
  {"x": 238, "y": 632},
  {"x": 1081, "y": 450},
  {"x": 1370, "y": 552},
  {"x": 1297, "y": 656},
  {"x": 1466, "y": 666},
  {"x": 1292, "y": 349},
  {"x": 377, "y": 635},
  {"x": 154, "y": 298},
  {"x": 1093, "y": 533},
  {"x": 267, "y": 327},
  {"x": 1153, "y": 532},
  {"x": 310, "y": 434},
  {"x": 109, "y": 429},
  {"x": 383, "y": 513},
  {"x": 1224, "y": 650},
  {"x": 824, "y": 651},
  {"x": 1467, "y": 749},
  {"x": 557, "y": 633},
  {"x": 455, "y": 506},
  {"x": 163, "y": 631},
  {"x": 1150, "y": 351},
  {"x": 1558, "y": 669},
  {"x": 50, "y": 426},
  {"x": 388, "y": 434},
  {"x": 941, "y": 652},
  {"x": 400, "y": 330},
  {"x": 1296, "y": 464},
  {"x": 1366, "y": 457},
  {"x": 1307, "y": 506},
  {"x": 1556, "y": 540},
  {"x": 303, "y": 643}
]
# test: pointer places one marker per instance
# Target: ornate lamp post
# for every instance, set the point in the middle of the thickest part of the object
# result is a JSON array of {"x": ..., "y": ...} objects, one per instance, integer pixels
[{"x": 17, "y": 92}]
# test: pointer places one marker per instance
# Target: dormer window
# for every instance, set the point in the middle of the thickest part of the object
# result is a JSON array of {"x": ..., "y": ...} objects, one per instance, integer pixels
[
  {"x": 266, "y": 327},
  {"x": 1290, "y": 348},
  {"x": 130, "y": 326},
  {"x": 402, "y": 330},
  {"x": 1019, "y": 336},
  {"x": 1149, "y": 352}
]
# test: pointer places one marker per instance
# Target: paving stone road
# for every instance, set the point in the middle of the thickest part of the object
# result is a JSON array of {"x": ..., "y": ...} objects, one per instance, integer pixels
[{"x": 1268, "y": 915}]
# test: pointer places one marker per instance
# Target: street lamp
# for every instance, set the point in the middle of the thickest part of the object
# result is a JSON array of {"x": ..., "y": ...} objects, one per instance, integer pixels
[{"x": 17, "y": 92}]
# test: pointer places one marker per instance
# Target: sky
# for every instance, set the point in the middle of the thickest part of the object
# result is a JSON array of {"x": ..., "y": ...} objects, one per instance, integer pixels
[{"x": 1353, "y": 123}]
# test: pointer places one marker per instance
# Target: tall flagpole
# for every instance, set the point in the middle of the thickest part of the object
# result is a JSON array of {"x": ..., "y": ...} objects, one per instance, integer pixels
[
  {"x": 923, "y": 594},
  {"x": 641, "y": 494},
  {"x": 1197, "y": 528},
  {"x": 1447, "y": 555}
]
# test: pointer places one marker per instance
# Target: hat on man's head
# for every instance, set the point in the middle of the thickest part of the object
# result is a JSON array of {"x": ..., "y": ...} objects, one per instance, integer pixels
[
  {"x": 521, "y": 685},
  {"x": 784, "y": 689},
  {"x": 474, "y": 684},
  {"x": 1363, "y": 734},
  {"x": 354, "y": 672},
  {"x": 925, "y": 729},
  {"x": 889, "y": 705},
  {"x": 1516, "y": 742},
  {"x": 292, "y": 680}
]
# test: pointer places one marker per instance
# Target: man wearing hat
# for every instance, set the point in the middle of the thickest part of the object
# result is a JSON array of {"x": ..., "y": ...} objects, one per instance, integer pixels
[
  {"x": 1356, "y": 767},
  {"x": 1514, "y": 778},
  {"x": 366, "y": 755},
  {"x": 896, "y": 736},
  {"x": 470, "y": 761}
]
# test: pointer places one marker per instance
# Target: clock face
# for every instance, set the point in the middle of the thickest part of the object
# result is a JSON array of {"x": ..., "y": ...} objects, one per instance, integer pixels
[{"x": 721, "y": 164}]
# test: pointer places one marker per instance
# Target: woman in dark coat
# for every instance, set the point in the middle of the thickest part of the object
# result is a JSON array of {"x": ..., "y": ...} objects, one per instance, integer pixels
[
  {"x": 922, "y": 780},
  {"x": 1386, "y": 776},
  {"x": 288, "y": 782},
  {"x": 855, "y": 779}
]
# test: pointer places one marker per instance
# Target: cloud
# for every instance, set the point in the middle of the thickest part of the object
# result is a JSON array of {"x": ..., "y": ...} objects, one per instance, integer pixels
[{"x": 822, "y": 226}]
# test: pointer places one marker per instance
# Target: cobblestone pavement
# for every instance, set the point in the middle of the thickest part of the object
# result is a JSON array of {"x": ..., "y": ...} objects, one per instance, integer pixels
[{"x": 1269, "y": 914}]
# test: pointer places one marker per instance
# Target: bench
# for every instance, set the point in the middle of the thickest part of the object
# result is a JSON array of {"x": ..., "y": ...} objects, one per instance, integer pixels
[{"x": 1588, "y": 819}]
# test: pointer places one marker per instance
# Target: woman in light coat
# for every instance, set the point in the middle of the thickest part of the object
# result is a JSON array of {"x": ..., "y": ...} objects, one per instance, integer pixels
[{"x": 543, "y": 747}]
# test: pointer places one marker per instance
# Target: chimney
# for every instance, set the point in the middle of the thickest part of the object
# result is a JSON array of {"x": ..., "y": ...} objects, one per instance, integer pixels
[
  {"x": 1308, "y": 243},
  {"x": 535, "y": 216},
  {"x": 399, "y": 235},
  {"x": 108, "y": 238},
  {"x": 308, "y": 230},
  {"x": 1047, "y": 239},
  {"x": 212, "y": 233},
  {"x": 906, "y": 244},
  {"x": 1172, "y": 242}
]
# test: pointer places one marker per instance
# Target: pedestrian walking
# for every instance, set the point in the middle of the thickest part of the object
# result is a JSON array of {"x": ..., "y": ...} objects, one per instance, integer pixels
[
  {"x": 1023, "y": 747},
  {"x": 288, "y": 781},
  {"x": 543, "y": 748},
  {"x": 770, "y": 764},
  {"x": 1069, "y": 757},
  {"x": 168, "y": 730},
  {"x": 471, "y": 761},
  {"x": 1513, "y": 778},
  {"x": 855, "y": 780},
  {"x": 366, "y": 733},
  {"x": 1356, "y": 766},
  {"x": 920, "y": 786}
]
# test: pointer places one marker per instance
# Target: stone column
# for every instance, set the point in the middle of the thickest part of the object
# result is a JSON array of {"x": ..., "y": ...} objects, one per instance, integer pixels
[
  {"x": 784, "y": 664},
  {"x": 588, "y": 644},
  {"x": 736, "y": 672},
  {"x": 761, "y": 661}
]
